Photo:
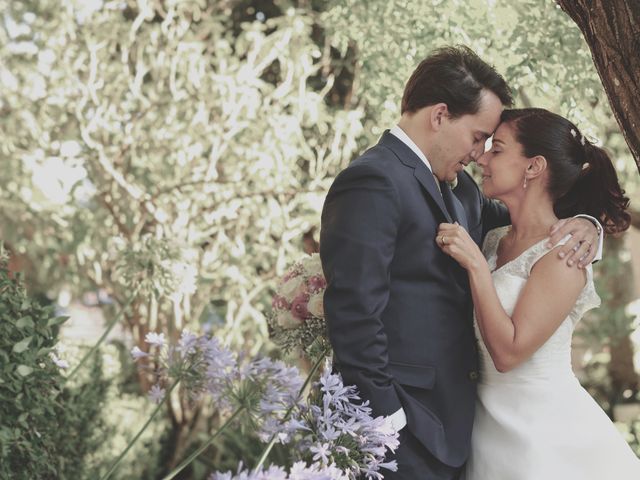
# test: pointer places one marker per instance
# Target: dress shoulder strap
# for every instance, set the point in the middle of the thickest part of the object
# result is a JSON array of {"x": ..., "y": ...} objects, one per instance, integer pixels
[{"x": 539, "y": 250}]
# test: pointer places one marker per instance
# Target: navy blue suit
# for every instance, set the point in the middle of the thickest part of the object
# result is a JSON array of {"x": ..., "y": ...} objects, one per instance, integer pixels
[{"x": 399, "y": 310}]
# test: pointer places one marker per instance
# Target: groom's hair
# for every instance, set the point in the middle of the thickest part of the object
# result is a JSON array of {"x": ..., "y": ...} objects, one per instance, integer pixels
[{"x": 454, "y": 75}]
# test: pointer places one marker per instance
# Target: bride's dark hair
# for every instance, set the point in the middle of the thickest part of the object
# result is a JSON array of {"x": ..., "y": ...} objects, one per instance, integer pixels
[{"x": 582, "y": 178}]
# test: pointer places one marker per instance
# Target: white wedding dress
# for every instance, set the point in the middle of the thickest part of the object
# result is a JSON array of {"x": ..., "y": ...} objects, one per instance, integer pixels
[{"x": 536, "y": 422}]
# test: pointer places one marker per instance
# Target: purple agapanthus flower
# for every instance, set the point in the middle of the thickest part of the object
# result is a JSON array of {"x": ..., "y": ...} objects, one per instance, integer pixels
[
  {"x": 200, "y": 363},
  {"x": 63, "y": 364},
  {"x": 155, "y": 339},
  {"x": 334, "y": 430},
  {"x": 188, "y": 342},
  {"x": 156, "y": 393},
  {"x": 299, "y": 471},
  {"x": 136, "y": 353},
  {"x": 220, "y": 369},
  {"x": 343, "y": 431},
  {"x": 321, "y": 452},
  {"x": 280, "y": 385}
]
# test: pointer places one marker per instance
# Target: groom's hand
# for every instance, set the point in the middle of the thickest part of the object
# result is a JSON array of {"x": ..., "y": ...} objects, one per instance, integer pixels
[{"x": 581, "y": 248}]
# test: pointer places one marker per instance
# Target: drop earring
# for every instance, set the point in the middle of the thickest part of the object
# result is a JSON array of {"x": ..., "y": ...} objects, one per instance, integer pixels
[{"x": 524, "y": 185}]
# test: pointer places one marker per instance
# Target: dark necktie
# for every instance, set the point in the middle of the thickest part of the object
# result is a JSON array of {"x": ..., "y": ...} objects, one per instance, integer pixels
[{"x": 449, "y": 201}]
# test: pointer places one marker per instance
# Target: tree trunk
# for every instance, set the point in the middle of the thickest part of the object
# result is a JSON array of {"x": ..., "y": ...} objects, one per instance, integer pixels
[
  {"x": 621, "y": 367},
  {"x": 612, "y": 31}
]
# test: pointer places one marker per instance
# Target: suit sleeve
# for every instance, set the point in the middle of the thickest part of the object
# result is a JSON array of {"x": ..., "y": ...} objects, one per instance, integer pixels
[
  {"x": 494, "y": 214},
  {"x": 360, "y": 221}
]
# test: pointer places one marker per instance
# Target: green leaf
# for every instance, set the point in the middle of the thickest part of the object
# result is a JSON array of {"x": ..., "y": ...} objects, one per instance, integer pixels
[
  {"x": 24, "y": 370},
  {"x": 57, "y": 321},
  {"x": 22, "y": 345},
  {"x": 43, "y": 351},
  {"x": 25, "y": 322}
]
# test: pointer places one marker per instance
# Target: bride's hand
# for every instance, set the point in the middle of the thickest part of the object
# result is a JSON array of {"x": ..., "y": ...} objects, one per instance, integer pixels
[{"x": 456, "y": 242}]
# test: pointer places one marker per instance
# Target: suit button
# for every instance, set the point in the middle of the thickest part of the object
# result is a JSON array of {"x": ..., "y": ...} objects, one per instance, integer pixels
[{"x": 473, "y": 375}]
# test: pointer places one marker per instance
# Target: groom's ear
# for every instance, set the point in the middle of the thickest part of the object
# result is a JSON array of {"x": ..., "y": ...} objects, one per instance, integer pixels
[{"x": 439, "y": 113}]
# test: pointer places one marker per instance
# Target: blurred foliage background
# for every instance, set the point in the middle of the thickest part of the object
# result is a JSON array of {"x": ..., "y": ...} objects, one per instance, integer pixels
[{"x": 168, "y": 159}]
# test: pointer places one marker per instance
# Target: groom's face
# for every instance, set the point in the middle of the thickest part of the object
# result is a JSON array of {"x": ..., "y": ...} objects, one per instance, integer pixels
[{"x": 462, "y": 139}]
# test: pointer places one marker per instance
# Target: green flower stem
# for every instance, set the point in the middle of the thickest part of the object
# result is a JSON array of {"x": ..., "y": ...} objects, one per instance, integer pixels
[
  {"x": 144, "y": 427},
  {"x": 193, "y": 456},
  {"x": 104, "y": 335},
  {"x": 272, "y": 441}
]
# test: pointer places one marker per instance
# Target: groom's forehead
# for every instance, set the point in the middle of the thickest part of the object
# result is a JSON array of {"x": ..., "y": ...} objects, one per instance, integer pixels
[
  {"x": 487, "y": 129},
  {"x": 485, "y": 121},
  {"x": 482, "y": 128}
]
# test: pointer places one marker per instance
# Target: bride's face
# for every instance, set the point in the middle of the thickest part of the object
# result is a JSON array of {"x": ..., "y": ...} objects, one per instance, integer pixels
[{"x": 503, "y": 165}]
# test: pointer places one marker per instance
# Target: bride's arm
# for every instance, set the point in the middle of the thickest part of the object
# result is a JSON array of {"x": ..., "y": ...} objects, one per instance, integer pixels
[{"x": 545, "y": 301}]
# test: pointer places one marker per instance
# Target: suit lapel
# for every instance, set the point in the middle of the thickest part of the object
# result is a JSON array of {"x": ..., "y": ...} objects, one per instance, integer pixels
[
  {"x": 428, "y": 182},
  {"x": 420, "y": 170}
]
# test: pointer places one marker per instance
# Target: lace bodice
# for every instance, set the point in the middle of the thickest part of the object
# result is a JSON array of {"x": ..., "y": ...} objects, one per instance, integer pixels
[{"x": 554, "y": 357}]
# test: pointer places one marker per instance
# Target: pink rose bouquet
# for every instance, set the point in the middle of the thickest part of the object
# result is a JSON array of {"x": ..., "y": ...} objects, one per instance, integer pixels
[{"x": 297, "y": 319}]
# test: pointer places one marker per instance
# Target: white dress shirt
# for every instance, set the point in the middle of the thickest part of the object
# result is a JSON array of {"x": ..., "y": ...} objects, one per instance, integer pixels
[{"x": 398, "y": 132}]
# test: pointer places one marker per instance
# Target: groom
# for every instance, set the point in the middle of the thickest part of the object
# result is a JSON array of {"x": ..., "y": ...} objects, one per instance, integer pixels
[{"x": 398, "y": 309}]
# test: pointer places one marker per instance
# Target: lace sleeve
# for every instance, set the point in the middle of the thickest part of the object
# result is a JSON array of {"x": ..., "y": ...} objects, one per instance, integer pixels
[
  {"x": 588, "y": 298},
  {"x": 491, "y": 240}
]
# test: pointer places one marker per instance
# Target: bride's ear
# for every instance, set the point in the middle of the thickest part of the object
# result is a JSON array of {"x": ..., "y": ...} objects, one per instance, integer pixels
[{"x": 537, "y": 166}]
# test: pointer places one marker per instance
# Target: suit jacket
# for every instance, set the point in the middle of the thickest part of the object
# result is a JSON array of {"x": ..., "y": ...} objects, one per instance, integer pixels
[{"x": 399, "y": 310}]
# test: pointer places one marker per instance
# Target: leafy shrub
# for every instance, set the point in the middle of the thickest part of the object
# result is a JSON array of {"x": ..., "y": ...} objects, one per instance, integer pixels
[{"x": 45, "y": 428}]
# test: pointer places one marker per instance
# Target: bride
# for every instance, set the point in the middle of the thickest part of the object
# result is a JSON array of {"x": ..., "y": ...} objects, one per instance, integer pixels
[{"x": 533, "y": 419}]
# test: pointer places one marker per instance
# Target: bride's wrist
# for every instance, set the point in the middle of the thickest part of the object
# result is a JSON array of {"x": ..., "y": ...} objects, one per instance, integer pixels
[{"x": 478, "y": 266}]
